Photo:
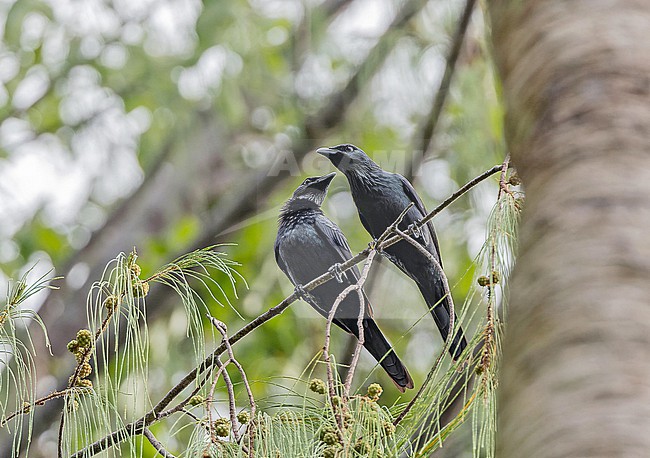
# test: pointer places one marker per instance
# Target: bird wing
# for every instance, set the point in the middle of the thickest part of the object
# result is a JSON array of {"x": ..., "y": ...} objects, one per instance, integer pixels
[
  {"x": 281, "y": 263},
  {"x": 303, "y": 272},
  {"x": 302, "y": 263},
  {"x": 366, "y": 226},
  {"x": 428, "y": 233},
  {"x": 330, "y": 231},
  {"x": 295, "y": 281}
]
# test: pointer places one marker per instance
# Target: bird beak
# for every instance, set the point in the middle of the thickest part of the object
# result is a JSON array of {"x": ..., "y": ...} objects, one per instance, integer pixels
[
  {"x": 324, "y": 182},
  {"x": 326, "y": 151}
]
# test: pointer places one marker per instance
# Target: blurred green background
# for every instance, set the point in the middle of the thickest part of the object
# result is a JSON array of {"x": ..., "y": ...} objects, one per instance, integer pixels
[{"x": 173, "y": 125}]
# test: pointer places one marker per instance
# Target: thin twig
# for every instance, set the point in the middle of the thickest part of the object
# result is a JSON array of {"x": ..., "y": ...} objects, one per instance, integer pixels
[
  {"x": 466, "y": 187},
  {"x": 229, "y": 386},
  {"x": 134, "y": 427},
  {"x": 358, "y": 286},
  {"x": 208, "y": 401},
  {"x": 450, "y": 336},
  {"x": 364, "y": 275},
  {"x": 221, "y": 327},
  {"x": 178, "y": 408},
  {"x": 428, "y": 128},
  {"x": 391, "y": 229},
  {"x": 328, "y": 335},
  {"x": 326, "y": 353},
  {"x": 84, "y": 359},
  {"x": 488, "y": 339},
  {"x": 361, "y": 340},
  {"x": 39, "y": 402},
  {"x": 160, "y": 448},
  {"x": 231, "y": 399},
  {"x": 192, "y": 416},
  {"x": 232, "y": 210},
  {"x": 503, "y": 185}
]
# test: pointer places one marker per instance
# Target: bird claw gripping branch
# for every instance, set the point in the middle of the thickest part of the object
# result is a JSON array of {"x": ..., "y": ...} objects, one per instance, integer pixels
[
  {"x": 414, "y": 229},
  {"x": 374, "y": 245},
  {"x": 337, "y": 272},
  {"x": 381, "y": 197},
  {"x": 304, "y": 229},
  {"x": 300, "y": 292}
]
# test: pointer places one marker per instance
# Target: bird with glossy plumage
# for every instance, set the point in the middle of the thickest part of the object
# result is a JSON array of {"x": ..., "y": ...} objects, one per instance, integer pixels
[
  {"x": 380, "y": 198},
  {"x": 309, "y": 244}
]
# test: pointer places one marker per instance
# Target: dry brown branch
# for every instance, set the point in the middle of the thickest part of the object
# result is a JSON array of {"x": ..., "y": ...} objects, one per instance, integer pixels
[
  {"x": 355, "y": 357},
  {"x": 221, "y": 327},
  {"x": 39, "y": 402},
  {"x": 208, "y": 402},
  {"x": 155, "y": 443},
  {"x": 331, "y": 385},
  {"x": 450, "y": 336}
]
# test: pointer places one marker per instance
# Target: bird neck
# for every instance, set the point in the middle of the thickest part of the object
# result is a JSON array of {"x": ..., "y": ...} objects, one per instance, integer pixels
[
  {"x": 365, "y": 179},
  {"x": 299, "y": 205}
]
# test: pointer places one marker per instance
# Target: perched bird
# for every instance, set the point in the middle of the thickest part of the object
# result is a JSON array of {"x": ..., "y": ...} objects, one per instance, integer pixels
[
  {"x": 380, "y": 198},
  {"x": 308, "y": 245}
]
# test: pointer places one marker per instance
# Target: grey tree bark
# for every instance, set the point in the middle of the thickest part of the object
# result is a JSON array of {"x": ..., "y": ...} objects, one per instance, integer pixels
[{"x": 575, "y": 378}]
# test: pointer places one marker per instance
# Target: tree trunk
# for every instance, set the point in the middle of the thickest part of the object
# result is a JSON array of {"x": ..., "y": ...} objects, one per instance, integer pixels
[{"x": 576, "y": 362}]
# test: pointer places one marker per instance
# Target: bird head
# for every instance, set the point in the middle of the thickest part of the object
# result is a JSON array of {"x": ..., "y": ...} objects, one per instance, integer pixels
[
  {"x": 313, "y": 190},
  {"x": 348, "y": 158}
]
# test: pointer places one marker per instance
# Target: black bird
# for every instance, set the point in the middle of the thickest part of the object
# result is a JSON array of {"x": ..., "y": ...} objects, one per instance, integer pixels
[
  {"x": 380, "y": 198},
  {"x": 308, "y": 245}
]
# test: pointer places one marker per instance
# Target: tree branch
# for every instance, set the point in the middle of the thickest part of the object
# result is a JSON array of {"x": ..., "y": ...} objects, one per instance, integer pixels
[
  {"x": 450, "y": 336},
  {"x": 156, "y": 444},
  {"x": 233, "y": 207},
  {"x": 154, "y": 414},
  {"x": 221, "y": 327},
  {"x": 423, "y": 143},
  {"x": 208, "y": 402},
  {"x": 240, "y": 204},
  {"x": 357, "y": 351}
]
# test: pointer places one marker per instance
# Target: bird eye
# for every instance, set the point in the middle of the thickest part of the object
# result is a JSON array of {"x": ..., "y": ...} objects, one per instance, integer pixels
[{"x": 349, "y": 149}]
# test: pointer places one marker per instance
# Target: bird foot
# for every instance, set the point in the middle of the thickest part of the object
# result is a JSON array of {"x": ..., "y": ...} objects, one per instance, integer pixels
[
  {"x": 414, "y": 229},
  {"x": 374, "y": 244},
  {"x": 337, "y": 272},
  {"x": 300, "y": 292}
]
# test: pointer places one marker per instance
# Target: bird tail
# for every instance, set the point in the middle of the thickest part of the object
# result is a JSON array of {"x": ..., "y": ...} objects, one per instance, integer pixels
[
  {"x": 433, "y": 293},
  {"x": 375, "y": 342}
]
